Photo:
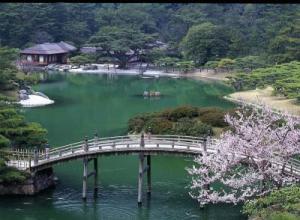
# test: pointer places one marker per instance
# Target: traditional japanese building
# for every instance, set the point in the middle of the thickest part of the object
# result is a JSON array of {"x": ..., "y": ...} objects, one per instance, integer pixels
[{"x": 47, "y": 53}]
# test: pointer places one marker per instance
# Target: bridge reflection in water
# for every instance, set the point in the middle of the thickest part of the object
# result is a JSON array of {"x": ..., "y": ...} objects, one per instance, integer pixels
[{"x": 90, "y": 149}]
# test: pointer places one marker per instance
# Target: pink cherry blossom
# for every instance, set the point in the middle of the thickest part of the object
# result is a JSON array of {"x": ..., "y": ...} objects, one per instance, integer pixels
[{"x": 250, "y": 159}]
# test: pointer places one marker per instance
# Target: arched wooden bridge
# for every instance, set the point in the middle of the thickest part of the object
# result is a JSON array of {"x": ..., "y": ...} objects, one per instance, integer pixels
[
  {"x": 144, "y": 146},
  {"x": 89, "y": 148}
]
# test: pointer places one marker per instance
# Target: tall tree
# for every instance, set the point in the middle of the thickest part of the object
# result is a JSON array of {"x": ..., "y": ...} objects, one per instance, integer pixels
[
  {"x": 247, "y": 157},
  {"x": 7, "y": 69},
  {"x": 121, "y": 43},
  {"x": 204, "y": 42}
]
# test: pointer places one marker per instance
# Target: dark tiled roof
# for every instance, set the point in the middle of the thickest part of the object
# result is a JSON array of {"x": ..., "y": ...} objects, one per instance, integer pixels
[
  {"x": 49, "y": 48},
  {"x": 66, "y": 46}
]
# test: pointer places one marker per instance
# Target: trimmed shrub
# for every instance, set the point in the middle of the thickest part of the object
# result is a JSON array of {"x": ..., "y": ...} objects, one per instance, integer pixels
[
  {"x": 136, "y": 124},
  {"x": 282, "y": 216},
  {"x": 285, "y": 200},
  {"x": 192, "y": 127},
  {"x": 213, "y": 116},
  {"x": 158, "y": 126},
  {"x": 183, "y": 120},
  {"x": 10, "y": 175},
  {"x": 180, "y": 112}
]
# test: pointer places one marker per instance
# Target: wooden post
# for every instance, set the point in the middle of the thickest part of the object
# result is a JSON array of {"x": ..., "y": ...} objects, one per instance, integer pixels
[
  {"x": 140, "y": 178},
  {"x": 149, "y": 175},
  {"x": 142, "y": 144},
  {"x": 96, "y": 140},
  {"x": 208, "y": 142},
  {"x": 36, "y": 156},
  {"x": 96, "y": 175},
  {"x": 84, "y": 182},
  {"x": 29, "y": 163},
  {"x": 205, "y": 144},
  {"x": 86, "y": 145}
]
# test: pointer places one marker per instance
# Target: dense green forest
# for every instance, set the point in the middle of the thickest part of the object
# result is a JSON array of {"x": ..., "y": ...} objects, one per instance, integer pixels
[{"x": 197, "y": 32}]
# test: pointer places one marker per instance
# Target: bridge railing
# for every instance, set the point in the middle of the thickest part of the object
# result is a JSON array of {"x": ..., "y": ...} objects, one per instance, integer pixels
[
  {"x": 175, "y": 138},
  {"x": 79, "y": 147}
]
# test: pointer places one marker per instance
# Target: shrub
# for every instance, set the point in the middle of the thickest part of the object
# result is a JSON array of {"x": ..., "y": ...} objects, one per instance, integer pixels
[
  {"x": 215, "y": 119},
  {"x": 282, "y": 216},
  {"x": 136, "y": 124},
  {"x": 180, "y": 112},
  {"x": 284, "y": 78},
  {"x": 226, "y": 63},
  {"x": 284, "y": 200},
  {"x": 183, "y": 126},
  {"x": 213, "y": 116},
  {"x": 20, "y": 133},
  {"x": 10, "y": 175},
  {"x": 192, "y": 127},
  {"x": 4, "y": 142},
  {"x": 82, "y": 59},
  {"x": 298, "y": 99},
  {"x": 159, "y": 126},
  {"x": 183, "y": 120},
  {"x": 250, "y": 62},
  {"x": 211, "y": 64}
]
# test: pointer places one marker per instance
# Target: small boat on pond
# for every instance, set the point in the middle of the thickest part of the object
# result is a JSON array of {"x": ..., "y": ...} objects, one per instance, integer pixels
[{"x": 151, "y": 94}]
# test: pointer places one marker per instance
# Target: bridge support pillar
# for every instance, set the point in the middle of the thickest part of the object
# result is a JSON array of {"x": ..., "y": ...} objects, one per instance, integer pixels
[
  {"x": 149, "y": 175},
  {"x": 85, "y": 176},
  {"x": 95, "y": 176},
  {"x": 140, "y": 178}
]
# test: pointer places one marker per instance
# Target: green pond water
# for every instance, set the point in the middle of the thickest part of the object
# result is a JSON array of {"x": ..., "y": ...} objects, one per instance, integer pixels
[{"x": 88, "y": 103}]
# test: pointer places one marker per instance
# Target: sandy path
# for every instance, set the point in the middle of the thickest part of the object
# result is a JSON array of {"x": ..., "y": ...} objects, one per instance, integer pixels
[
  {"x": 265, "y": 96},
  {"x": 209, "y": 74}
]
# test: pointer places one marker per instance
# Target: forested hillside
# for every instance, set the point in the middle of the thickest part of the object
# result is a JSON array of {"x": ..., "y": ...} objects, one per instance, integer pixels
[{"x": 199, "y": 32}]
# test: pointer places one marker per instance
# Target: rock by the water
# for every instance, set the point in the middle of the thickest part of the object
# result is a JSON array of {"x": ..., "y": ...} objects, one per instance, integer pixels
[{"x": 39, "y": 181}]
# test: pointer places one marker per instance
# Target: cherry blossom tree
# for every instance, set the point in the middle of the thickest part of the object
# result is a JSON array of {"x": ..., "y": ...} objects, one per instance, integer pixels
[{"x": 250, "y": 159}]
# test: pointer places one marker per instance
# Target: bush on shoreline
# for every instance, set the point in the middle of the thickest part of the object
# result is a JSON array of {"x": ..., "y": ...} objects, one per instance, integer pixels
[
  {"x": 280, "y": 204},
  {"x": 9, "y": 175},
  {"x": 183, "y": 120}
]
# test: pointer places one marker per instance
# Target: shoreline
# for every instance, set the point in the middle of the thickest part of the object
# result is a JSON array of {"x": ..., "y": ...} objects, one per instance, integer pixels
[
  {"x": 254, "y": 97},
  {"x": 198, "y": 75},
  {"x": 209, "y": 74}
]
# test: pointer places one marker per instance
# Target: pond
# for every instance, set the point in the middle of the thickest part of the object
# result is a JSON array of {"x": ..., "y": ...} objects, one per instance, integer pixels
[{"x": 85, "y": 104}]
